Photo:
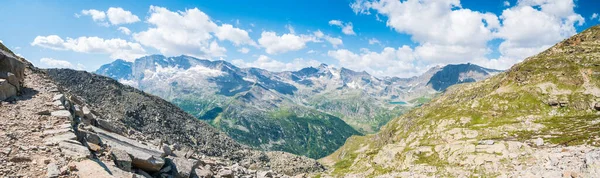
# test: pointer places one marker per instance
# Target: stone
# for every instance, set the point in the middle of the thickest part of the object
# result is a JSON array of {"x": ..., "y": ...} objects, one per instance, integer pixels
[
  {"x": 6, "y": 90},
  {"x": 52, "y": 170},
  {"x": 167, "y": 150},
  {"x": 44, "y": 112},
  {"x": 59, "y": 97},
  {"x": 20, "y": 159},
  {"x": 553, "y": 102},
  {"x": 142, "y": 156},
  {"x": 98, "y": 169},
  {"x": 87, "y": 113},
  {"x": 264, "y": 174},
  {"x": 12, "y": 64},
  {"x": 539, "y": 142},
  {"x": 11, "y": 78},
  {"x": 486, "y": 142},
  {"x": 203, "y": 173},
  {"x": 6, "y": 151},
  {"x": 122, "y": 159},
  {"x": 78, "y": 111},
  {"x": 597, "y": 106},
  {"x": 108, "y": 125},
  {"x": 62, "y": 114},
  {"x": 74, "y": 149},
  {"x": 184, "y": 166},
  {"x": 92, "y": 138},
  {"x": 59, "y": 138},
  {"x": 56, "y": 131},
  {"x": 225, "y": 173}
]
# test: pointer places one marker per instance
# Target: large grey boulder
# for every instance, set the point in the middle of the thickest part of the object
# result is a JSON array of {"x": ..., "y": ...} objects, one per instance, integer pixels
[
  {"x": 6, "y": 90},
  {"x": 122, "y": 159},
  {"x": 10, "y": 63},
  {"x": 142, "y": 157},
  {"x": 74, "y": 149},
  {"x": 11, "y": 78},
  {"x": 184, "y": 166},
  {"x": 52, "y": 171}
]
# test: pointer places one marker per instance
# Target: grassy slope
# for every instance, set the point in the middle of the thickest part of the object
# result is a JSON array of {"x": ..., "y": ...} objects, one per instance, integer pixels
[{"x": 496, "y": 104}]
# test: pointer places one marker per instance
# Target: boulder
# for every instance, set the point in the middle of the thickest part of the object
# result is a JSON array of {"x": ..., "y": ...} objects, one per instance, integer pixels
[
  {"x": 203, "y": 173},
  {"x": 184, "y": 166},
  {"x": 78, "y": 111},
  {"x": 110, "y": 126},
  {"x": 167, "y": 150},
  {"x": 96, "y": 168},
  {"x": 264, "y": 174},
  {"x": 52, "y": 171},
  {"x": 62, "y": 114},
  {"x": 539, "y": 142},
  {"x": 225, "y": 173},
  {"x": 6, "y": 90},
  {"x": 597, "y": 106},
  {"x": 122, "y": 159},
  {"x": 74, "y": 149},
  {"x": 59, "y": 97},
  {"x": 11, "y": 78},
  {"x": 87, "y": 113},
  {"x": 486, "y": 142},
  {"x": 142, "y": 157},
  {"x": 10, "y": 63}
]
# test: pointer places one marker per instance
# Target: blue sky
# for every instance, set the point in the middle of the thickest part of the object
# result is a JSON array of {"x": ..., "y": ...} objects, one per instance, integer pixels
[{"x": 383, "y": 37}]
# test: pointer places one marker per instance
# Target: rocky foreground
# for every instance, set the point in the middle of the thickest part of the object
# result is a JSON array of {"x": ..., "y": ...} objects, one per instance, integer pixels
[{"x": 48, "y": 129}]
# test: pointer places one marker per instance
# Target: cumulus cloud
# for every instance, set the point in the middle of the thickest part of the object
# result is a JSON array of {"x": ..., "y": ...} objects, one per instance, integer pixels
[
  {"x": 275, "y": 44},
  {"x": 334, "y": 41},
  {"x": 347, "y": 28},
  {"x": 528, "y": 30},
  {"x": 448, "y": 33},
  {"x": 124, "y": 30},
  {"x": 56, "y": 63},
  {"x": 388, "y": 62},
  {"x": 117, "y": 15},
  {"x": 189, "y": 32},
  {"x": 594, "y": 16},
  {"x": 265, "y": 62},
  {"x": 116, "y": 48}
]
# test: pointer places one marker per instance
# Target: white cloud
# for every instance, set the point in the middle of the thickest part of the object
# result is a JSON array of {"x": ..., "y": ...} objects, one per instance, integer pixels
[
  {"x": 335, "y": 42},
  {"x": 97, "y": 16},
  {"x": 388, "y": 62},
  {"x": 244, "y": 50},
  {"x": 373, "y": 41},
  {"x": 347, "y": 28},
  {"x": 448, "y": 33},
  {"x": 265, "y": 62},
  {"x": 116, "y": 48},
  {"x": 235, "y": 35},
  {"x": 56, "y": 63},
  {"x": 594, "y": 16},
  {"x": 506, "y": 3},
  {"x": 117, "y": 15},
  {"x": 275, "y": 44},
  {"x": 528, "y": 30},
  {"x": 188, "y": 32},
  {"x": 124, "y": 30}
]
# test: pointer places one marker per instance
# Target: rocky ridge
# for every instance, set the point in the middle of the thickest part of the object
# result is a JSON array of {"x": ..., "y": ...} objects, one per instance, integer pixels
[
  {"x": 49, "y": 131},
  {"x": 538, "y": 119}
]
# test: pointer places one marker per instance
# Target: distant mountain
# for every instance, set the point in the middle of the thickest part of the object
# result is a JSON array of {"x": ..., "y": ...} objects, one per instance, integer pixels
[
  {"x": 310, "y": 112},
  {"x": 538, "y": 119}
]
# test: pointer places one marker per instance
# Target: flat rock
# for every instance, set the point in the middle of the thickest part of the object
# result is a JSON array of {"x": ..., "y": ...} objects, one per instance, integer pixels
[
  {"x": 97, "y": 169},
  {"x": 62, "y": 114},
  {"x": 59, "y": 97},
  {"x": 73, "y": 149},
  {"x": 11, "y": 78},
  {"x": 78, "y": 111},
  {"x": 203, "y": 173},
  {"x": 143, "y": 157},
  {"x": 59, "y": 138}
]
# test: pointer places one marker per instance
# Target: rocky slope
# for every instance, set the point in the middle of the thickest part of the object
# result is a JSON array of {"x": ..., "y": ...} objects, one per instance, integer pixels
[
  {"x": 58, "y": 127},
  {"x": 309, "y": 112},
  {"x": 539, "y": 119}
]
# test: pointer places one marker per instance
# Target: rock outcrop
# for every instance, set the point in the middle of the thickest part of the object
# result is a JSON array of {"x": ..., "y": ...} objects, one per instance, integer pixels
[{"x": 12, "y": 73}]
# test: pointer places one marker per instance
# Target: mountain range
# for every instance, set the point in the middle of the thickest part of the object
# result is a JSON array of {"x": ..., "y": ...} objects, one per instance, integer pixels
[{"x": 309, "y": 112}]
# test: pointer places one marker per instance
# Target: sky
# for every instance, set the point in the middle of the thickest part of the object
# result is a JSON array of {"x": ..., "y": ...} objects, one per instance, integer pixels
[{"x": 383, "y": 37}]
